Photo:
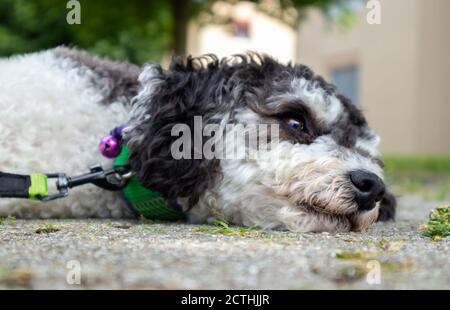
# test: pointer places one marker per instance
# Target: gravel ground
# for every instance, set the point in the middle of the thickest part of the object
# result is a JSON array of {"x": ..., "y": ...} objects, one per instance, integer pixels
[{"x": 134, "y": 255}]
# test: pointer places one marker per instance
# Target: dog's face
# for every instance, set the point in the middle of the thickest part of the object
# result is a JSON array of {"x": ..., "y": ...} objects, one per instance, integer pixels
[{"x": 324, "y": 172}]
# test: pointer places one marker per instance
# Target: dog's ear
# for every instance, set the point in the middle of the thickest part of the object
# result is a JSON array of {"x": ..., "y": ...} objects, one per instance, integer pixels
[
  {"x": 166, "y": 99},
  {"x": 387, "y": 207}
]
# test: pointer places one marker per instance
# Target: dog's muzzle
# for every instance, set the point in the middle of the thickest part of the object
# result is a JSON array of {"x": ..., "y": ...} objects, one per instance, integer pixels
[{"x": 368, "y": 189}]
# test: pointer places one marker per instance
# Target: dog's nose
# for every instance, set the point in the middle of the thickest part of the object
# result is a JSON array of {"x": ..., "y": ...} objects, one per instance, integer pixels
[{"x": 368, "y": 189}]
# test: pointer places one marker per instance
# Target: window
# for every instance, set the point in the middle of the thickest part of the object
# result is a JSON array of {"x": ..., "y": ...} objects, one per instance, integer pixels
[
  {"x": 346, "y": 80},
  {"x": 241, "y": 29}
]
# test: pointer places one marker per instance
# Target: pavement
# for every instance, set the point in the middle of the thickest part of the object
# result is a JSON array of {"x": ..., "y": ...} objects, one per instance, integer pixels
[{"x": 128, "y": 254}]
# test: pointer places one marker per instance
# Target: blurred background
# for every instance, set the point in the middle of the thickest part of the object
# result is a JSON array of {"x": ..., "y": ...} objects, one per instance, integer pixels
[{"x": 397, "y": 71}]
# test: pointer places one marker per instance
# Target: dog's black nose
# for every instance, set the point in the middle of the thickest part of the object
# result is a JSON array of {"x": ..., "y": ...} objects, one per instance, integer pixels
[{"x": 368, "y": 188}]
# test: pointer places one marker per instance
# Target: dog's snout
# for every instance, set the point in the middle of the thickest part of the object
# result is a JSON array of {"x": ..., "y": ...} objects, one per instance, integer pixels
[{"x": 368, "y": 188}]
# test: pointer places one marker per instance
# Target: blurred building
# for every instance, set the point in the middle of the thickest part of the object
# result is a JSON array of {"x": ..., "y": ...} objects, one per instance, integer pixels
[
  {"x": 246, "y": 29},
  {"x": 397, "y": 71}
]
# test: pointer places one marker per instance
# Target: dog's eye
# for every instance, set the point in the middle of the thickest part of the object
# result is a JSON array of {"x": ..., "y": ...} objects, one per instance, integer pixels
[{"x": 297, "y": 124}]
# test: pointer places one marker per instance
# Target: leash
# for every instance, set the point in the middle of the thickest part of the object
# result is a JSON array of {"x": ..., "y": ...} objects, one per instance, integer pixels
[
  {"x": 35, "y": 185},
  {"x": 139, "y": 199}
]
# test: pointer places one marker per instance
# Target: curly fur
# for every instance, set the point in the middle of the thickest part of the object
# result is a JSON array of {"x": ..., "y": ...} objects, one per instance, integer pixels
[
  {"x": 300, "y": 184},
  {"x": 53, "y": 114},
  {"x": 252, "y": 89}
]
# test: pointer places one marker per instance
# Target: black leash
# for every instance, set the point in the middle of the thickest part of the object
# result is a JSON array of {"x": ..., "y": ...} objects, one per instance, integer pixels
[{"x": 35, "y": 186}]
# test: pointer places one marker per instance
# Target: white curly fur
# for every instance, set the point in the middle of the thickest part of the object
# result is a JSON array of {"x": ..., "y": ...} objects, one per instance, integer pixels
[{"x": 51, "y": 121}]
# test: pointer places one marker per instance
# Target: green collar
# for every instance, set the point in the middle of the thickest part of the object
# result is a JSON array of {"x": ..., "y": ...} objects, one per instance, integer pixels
[{"x": 145, "y": 202}]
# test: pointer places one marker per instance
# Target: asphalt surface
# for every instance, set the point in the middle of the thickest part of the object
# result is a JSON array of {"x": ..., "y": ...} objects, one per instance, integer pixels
[{"x": 100, "y": 254}]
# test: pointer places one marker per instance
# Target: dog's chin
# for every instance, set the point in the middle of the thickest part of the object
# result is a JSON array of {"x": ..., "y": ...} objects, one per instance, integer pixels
[
  {"x": 357, "y": 220},
  {"x": 333, "y": 207},
  {"x": 361, "y": 220},
  {"x": 338, "y": 202}
]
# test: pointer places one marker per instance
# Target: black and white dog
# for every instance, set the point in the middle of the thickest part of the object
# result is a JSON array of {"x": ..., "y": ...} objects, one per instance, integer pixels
[{"x": 324, "y": 174}]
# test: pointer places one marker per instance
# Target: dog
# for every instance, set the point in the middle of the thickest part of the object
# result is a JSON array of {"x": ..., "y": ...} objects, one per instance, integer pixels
[{"x": 324, "y": 174}]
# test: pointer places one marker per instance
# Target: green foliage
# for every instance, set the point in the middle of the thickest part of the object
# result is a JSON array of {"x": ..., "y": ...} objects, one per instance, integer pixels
[
  {"x": 428, "y": 176},
  {"x": 438, "y": 226},
  {"x": 417, "y": 163},
  {"x": 10, "y": 219},
  {"x": 362, "y": 258},
  {"x": 351, "y": 255},
  {"x": 136, "y": 30},
  {"x": 47, "y": 229},
  {"x": 222, "y": 227}
]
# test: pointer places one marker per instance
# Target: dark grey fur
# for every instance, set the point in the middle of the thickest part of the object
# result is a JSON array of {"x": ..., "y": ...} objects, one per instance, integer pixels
[{"x": 117, "y": 81}]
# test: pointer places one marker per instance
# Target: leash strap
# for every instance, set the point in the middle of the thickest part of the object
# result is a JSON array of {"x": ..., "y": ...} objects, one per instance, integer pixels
[
  {"x": 32, "y": 186},
  {"x": 35, "y": 186}
]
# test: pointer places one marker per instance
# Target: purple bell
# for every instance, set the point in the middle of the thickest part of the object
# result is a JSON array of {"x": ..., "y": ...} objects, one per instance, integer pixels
[{"x": 110, "y": 146}]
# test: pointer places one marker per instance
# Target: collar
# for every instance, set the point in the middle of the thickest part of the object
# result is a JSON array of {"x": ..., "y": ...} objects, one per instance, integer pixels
[{"x": 143, "y": 201}]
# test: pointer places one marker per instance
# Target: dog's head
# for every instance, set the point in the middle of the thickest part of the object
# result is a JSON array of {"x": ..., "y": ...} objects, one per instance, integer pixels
[{"x": 323, "y": 173}]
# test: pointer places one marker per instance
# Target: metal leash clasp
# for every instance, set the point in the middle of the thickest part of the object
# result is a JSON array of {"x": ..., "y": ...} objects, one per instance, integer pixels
[
  {"x": 113, "y": 179},
  {"x": 63, "y": 191}
]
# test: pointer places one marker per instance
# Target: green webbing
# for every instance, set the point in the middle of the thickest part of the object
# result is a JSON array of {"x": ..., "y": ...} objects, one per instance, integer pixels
[{"x": 148, "y": 203}]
